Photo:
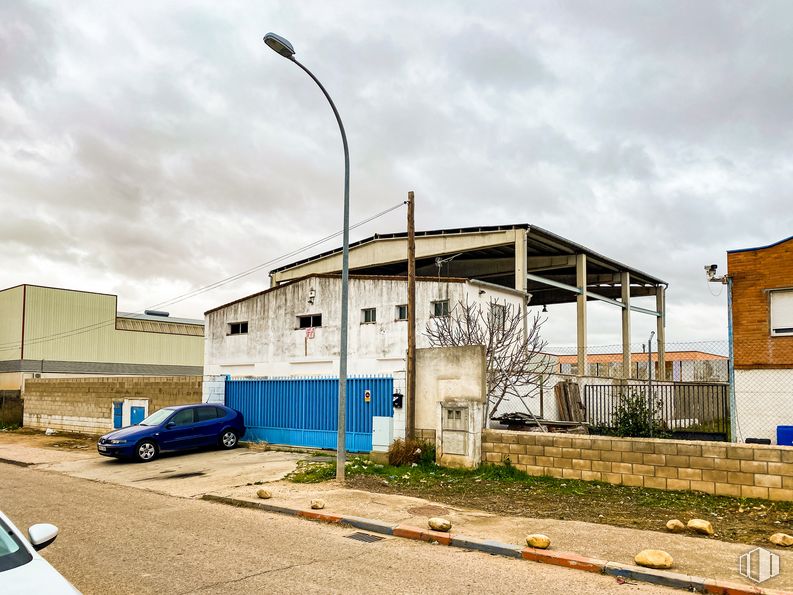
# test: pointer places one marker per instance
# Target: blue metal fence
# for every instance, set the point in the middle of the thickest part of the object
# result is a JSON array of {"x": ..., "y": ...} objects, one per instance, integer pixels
[{"x": 304, "y": 411}]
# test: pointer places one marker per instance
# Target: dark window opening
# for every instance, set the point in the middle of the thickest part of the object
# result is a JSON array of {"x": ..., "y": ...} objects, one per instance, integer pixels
[
  {"x": 368, "y": 315},
  {"x": 440, "y": 308},
  {"x": 402, "y": 312},
  {"x": 309, "y": 321},
  {"x": 238, "y": 328}
]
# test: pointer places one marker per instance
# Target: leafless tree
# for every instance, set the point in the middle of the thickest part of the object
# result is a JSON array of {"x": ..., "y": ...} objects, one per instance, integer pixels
[{"x": 514, "y": 357}]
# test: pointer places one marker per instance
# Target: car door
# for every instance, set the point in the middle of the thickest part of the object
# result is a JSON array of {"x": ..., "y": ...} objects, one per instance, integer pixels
[
  {"x": 207, "y": 427},
  {"x": 179, "y": 431}
]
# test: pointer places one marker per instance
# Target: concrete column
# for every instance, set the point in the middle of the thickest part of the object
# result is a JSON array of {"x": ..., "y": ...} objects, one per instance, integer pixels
[
  {"x": 521, "y": 281},
  {"x": 625, "y": 282},
  {"x": 580, "y": 276},
  {"x": 660, "y": 306},
  {"x": 520, "y": 260}
]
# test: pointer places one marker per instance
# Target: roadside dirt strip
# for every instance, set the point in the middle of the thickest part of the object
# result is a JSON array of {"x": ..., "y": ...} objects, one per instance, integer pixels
[{"x": 556, "y": 558}]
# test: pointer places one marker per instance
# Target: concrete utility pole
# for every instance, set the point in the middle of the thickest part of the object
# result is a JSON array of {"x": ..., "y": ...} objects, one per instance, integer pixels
[{"x": 410, "y": 389}]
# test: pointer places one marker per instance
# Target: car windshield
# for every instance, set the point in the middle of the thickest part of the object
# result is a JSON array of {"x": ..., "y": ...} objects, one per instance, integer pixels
[
  {"x": 156, "y": 418},
  {"x": 12, "y": 554}
]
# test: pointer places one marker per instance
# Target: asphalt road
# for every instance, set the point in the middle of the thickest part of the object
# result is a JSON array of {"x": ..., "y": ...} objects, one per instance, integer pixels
[{"x": 117, "y": 539}]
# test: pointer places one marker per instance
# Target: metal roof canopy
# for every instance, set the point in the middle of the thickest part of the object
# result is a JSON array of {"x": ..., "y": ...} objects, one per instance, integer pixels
[
  {"x": 524, "y": 257},
  {"x": 487, "y": 253}
]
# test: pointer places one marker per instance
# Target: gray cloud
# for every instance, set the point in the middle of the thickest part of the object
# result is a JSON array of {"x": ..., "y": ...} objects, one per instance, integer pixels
[{"x": 151, "y": 150}]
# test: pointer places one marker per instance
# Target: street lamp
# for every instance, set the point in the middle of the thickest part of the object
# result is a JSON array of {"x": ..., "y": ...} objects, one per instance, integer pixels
[{"x": 283, "y": 47}]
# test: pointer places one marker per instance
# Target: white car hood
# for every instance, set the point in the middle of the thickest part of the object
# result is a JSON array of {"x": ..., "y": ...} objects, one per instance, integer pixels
[{"x": 37, "y": 576}]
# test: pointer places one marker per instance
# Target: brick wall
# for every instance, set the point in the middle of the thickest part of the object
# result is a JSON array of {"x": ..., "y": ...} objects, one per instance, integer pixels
[
  {"x": 754, "y": 272},
  {"x": 721, "y": 468},
  {"x": 86, "y": 404}
]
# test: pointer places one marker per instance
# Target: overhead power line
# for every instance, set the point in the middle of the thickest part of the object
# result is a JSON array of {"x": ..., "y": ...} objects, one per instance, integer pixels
[{"x": 195, "y": 292}]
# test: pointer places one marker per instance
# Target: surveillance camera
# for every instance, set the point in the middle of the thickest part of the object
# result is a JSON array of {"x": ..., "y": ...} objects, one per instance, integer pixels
[{"x": 711, "y": 268}]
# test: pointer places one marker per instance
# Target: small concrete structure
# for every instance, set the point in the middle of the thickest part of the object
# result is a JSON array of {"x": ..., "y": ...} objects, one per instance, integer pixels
[{"x": 450, "y": 402}]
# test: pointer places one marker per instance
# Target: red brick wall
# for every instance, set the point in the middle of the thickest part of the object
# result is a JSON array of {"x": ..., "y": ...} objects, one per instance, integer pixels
[{"x": 753, "y": 273}]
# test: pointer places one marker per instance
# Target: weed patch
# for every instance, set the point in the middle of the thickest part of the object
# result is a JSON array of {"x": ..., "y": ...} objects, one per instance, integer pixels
[{"x": 503, "y": 489}]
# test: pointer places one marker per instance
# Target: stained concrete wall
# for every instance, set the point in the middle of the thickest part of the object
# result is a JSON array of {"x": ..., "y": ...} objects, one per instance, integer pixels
[
  {"x": 447, "y": 374},
  {"x": 275, "y": 345}
]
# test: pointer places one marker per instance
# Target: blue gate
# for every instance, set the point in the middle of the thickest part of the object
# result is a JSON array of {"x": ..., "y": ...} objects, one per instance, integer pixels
[{"x": 304, "y": 411}]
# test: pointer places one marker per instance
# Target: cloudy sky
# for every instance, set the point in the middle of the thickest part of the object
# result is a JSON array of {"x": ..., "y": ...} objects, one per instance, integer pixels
[{"x": 151, "y": 148}]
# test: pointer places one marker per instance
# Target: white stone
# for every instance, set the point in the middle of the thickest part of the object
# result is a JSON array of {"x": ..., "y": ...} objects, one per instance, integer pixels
[
  {"x": 701, "y": 526},
  {"x": 439, "y": 524},
  {"x": 317, "y": 504},
  {"x": 538, "y": 540},
  {"x": 675, "y": 526},
  {"x": 654, "y": 559},
  {"x": 782, "y": 539}
]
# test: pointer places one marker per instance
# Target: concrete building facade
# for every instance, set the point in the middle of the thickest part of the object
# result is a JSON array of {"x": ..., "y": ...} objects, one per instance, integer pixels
[
  {"x": 761, "y": 283},
  {"x": 293, "y": 329},
  {"x": 48, "y": 332}
]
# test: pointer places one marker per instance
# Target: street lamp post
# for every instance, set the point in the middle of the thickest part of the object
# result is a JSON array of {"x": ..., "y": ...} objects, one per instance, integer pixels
[{"x": 283, "y": 47}]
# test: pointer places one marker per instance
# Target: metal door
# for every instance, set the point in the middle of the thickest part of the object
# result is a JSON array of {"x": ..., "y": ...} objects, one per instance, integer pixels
[
  {"x": 304, "y": 411},
  {"x": 136, "y": 415},
  {"x": 118, "y": 412}
]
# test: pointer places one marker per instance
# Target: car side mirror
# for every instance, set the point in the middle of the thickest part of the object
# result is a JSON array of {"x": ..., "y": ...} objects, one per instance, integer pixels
[
  {"x": 170, "y": 425},
  {"x": 41, "y": 535}
]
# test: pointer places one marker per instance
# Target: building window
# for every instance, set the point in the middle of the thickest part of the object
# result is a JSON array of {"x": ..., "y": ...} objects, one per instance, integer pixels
[
  {"x": 782, "y": 312},
  {"x": 499, "y": 314},
  {"x": 238, "y": 328},
  {"x": 402, "y": 312},
  {"x": 309, "y": 321},
  {"x": 440, "y": 308},
  {"x": 368, "y": 315}
]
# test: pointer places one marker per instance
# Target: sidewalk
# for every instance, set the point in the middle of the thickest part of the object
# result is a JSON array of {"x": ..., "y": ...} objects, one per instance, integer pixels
[
  {"x": 225, "y": 476},
  {"x": 708, "y": 558}
]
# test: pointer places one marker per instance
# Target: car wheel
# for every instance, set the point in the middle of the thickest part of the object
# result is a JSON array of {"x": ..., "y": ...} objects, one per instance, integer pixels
[
  {"x": 228, "y": 439},
  {"x": 146, "y": 451}
]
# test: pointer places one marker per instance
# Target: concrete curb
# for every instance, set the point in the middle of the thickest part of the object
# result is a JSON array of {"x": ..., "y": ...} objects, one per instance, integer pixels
[
  {"x": 557, "y": 558},
  {"x": 15, "y": 462}
]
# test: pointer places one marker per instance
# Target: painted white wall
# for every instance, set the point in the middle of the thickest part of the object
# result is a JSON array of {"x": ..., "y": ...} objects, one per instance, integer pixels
[
  {"x": 126, "y": 410},
  {"x": 275, "y": 346},
  {"x": 763, "y": 401}
]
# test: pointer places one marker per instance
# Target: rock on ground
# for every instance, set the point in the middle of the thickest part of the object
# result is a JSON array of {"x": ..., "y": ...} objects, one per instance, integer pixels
[
  {"x": 654, "y": 559},
  {"x": 538, "y": 540},
  {"x": 317, "y": 504},
  {"x": 439, "y": 524},
  {"x": 701, "y": 526},
  {"x": 782, "y": 539},
  {"x": 675, "y": 526},
  {"x": 264, "y": 494}
]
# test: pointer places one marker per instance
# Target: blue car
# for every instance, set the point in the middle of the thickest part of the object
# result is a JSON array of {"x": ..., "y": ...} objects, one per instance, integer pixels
[{"x": 184, "y": 427}]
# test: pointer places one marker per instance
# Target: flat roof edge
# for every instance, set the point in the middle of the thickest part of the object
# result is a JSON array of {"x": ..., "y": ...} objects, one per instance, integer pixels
[{"x": 760, "y": 247}]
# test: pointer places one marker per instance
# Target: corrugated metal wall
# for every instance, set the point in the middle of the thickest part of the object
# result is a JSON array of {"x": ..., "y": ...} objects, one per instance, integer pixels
[
  {"x": 304, "y": 411},
  {"x": 10, "y": 323},
  {"x": 78, "y": 326}
]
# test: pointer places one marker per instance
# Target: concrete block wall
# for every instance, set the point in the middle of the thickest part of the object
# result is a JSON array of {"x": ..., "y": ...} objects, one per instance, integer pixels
[
  {"x": 214, "y": 389},
  {"x": 85, "y": 405},
  {"x": 720, "y": 468}
]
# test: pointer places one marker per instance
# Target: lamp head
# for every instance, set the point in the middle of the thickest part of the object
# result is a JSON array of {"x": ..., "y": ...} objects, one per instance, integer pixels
[{"x": 280, "y": 45}]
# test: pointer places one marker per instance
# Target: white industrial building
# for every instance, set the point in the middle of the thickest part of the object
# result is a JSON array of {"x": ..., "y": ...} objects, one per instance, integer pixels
[{"x": 293, "y": 329}]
